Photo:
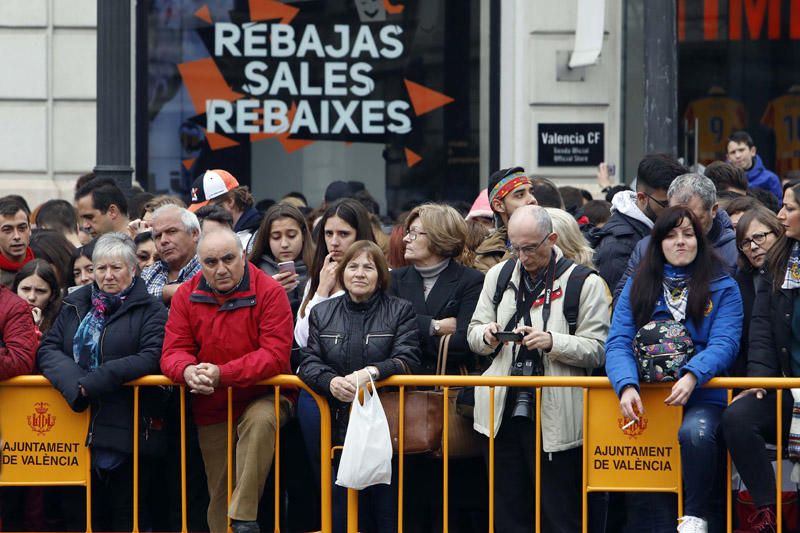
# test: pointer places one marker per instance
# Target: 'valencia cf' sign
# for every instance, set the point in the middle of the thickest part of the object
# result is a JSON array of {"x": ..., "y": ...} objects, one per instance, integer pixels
[{"x": 570, "y": 145}]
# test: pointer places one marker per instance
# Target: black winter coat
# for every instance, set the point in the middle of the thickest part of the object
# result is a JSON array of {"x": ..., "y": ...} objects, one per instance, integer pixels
[
  {"x": 130, "y": 347},
  {"x": 747, "y": 280},
  {"x": 613, "y": 245},
  {"x": 771, "y": 332},
  {"x": 344, "y": 336},
  {"x": 455, "y": 294}
]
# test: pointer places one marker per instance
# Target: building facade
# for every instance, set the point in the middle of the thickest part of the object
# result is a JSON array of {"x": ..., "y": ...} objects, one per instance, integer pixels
[{"x": 417, "y": 100}]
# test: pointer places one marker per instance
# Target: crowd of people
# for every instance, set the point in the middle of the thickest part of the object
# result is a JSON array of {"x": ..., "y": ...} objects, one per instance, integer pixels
[{"x": 530, "y": 280}]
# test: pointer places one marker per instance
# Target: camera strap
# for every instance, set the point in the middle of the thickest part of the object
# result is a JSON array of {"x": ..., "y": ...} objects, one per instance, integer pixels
[{"x": 525, "y": 300}]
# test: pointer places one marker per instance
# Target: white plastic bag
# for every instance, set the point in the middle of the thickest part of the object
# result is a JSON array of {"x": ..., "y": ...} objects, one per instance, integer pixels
[{"x": 367, "y": 454}]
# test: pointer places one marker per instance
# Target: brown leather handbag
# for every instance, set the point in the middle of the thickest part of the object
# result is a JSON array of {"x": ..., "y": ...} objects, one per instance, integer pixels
[
  {"x": 463, "y": 440},
  {"x": 423, "y": 411}
]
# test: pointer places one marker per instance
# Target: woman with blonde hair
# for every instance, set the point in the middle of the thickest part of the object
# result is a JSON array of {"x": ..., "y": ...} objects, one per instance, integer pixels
[
  {"x": 444, "y": 292},
  {"x": 570, "y": 239}
]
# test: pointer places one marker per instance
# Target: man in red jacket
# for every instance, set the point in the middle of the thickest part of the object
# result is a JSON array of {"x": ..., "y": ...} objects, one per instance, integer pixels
[
  {"x": 231, "y": 326},
  {"x": 18, "y": 340}
]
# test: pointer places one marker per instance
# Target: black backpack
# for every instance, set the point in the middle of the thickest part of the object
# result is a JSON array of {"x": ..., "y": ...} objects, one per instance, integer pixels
[{"x": 572, "y": 296}]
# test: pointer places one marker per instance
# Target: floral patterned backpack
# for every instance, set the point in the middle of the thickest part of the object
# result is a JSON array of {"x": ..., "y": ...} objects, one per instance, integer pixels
[{"x": 662, "y": 348}]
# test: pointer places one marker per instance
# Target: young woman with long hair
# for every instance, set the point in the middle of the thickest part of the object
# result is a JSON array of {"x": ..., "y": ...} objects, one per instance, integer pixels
[
  {"x": 679, "y": 289},
  {"x": 38, "y": 284},
  {"x": 284, "y": 237},
  {"x": 342, "y": 224}
]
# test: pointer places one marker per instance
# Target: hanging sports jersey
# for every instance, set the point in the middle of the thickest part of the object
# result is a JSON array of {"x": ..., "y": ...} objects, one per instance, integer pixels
[
  {"x": 717, "y": 117},
  {"x": 783, "y": 117}
]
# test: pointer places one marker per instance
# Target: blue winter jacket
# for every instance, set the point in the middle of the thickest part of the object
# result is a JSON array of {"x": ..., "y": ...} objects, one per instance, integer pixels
[
  {"x": 758, "y": 176},
  {"x": 716, "y": 341}
]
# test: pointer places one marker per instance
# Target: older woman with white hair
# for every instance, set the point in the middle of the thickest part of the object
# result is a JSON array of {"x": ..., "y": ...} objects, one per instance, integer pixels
[{"x": 107, "y": 333}]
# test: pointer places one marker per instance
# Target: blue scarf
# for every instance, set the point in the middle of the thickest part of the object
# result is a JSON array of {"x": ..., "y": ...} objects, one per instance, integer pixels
[{"x": 86, "y": 342}]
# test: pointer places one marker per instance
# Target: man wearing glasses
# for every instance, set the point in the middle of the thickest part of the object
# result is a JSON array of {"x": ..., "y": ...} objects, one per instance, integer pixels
[
  {"x": 533, "y": 307},
  {"x": 699, "y": 194},
  {"x": 509, "y": 189},
  {"x": 633, "y": 214}
]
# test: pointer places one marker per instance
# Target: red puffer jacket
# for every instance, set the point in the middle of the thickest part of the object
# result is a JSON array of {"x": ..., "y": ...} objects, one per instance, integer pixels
[
  {"x": 18, "y": 340},
  {"x": 249, "y": 337}
]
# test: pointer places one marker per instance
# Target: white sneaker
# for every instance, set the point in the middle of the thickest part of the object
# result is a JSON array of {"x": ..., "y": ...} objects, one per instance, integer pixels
[{"x": 692, "y": 524}]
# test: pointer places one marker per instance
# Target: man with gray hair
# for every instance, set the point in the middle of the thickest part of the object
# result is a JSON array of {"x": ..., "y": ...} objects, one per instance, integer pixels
[
  {"x": 699, "y": 194},
  {"x": 525, "y": 321},
  {"x": 231, "y": 327},
  {"x": 175, "y": 231}
]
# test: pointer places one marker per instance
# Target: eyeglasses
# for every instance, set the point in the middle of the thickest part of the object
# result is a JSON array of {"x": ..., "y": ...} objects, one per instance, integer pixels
[
  {"x": 527, "y": 250},
  {"x": 658, "y": 202},
  {"x": 757, "y": 238},
  {"x": 412, "y": 234}
]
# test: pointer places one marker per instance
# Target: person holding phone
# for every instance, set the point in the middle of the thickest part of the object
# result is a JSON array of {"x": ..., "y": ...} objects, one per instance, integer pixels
[
  {"x": 343, "y": 223},
  {"x": 550, "y": 346},
  {"x": 282, "y": 249},
  {"x": 680, "y": 280}
]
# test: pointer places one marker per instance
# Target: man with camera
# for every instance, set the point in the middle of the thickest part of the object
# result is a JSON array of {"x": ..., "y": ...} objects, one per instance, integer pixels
[{"x": 529, "y": 334}]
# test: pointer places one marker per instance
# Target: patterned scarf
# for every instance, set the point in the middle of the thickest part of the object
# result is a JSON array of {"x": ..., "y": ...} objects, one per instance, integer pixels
[
  {"x": 86, "y": 342},
  {"x": 676, "y": 291},
  {"x": 792, "y": 278}
]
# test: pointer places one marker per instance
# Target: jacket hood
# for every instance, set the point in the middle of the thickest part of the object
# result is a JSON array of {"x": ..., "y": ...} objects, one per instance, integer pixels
[
  {"x": 494, "y": 243},
  {"x": 620, "y": 225},
  {"x": 722, "y": 231},
  {"x": 757, "y": 169},
  {"x": 250, "y": 220},
  {"x": 624, "y": 202}
]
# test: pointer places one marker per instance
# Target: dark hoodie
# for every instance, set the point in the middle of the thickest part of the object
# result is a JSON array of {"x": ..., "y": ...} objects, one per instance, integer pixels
[
  {"x": 615, "y": 241},
  {"x": 247, "y": 226}
]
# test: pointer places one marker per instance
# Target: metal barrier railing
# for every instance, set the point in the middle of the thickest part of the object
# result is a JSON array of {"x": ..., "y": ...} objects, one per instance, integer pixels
[{"x": 402, "y": 382}]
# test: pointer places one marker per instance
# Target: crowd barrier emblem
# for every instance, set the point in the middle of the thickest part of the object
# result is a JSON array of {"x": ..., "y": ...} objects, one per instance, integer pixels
[
  {"x": 626, "y": 455},
  {"x": 43, "y": 440}
]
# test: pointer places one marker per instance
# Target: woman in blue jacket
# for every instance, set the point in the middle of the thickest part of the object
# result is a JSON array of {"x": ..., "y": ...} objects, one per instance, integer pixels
[{"x": 680, "y": 279}]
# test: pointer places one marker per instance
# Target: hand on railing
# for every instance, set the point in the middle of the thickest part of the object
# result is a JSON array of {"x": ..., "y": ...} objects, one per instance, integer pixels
[
  {"x": 681, "y": 391},
  {"x": 758, "y": 393},
  {"x": 342, "y": 389},
  {"x": 199, "y": 380}
]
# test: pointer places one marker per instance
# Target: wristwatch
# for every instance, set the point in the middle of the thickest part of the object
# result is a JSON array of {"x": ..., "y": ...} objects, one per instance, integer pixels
[
  {"x": 373, "y": 373},
  {"x": 436, "y": 326}
]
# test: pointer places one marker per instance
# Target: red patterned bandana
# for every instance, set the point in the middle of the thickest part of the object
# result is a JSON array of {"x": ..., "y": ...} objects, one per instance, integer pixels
[{"x": 508, "y": 184}]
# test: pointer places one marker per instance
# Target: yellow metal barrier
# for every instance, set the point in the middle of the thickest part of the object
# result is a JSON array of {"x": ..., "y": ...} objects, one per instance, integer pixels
[{"x": 402, "y": 382}]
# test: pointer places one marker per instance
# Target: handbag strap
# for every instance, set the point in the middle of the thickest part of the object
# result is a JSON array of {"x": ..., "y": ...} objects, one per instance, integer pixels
[{"x": 441, "y": 357}]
